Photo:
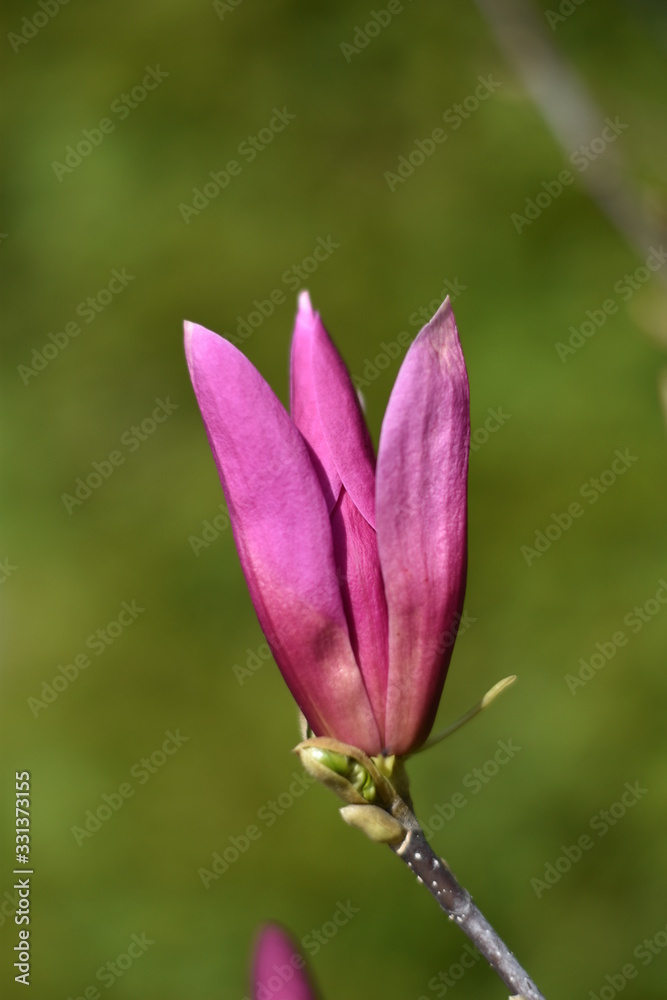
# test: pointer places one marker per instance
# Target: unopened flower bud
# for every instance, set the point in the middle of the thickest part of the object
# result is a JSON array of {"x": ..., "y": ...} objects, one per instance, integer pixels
[{"x": 375, "y": 822}]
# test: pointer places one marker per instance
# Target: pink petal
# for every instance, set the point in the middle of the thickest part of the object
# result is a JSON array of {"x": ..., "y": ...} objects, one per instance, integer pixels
[
  {"x": 279, "y": 969},
  {"x": 304, "y": 410},
  {"x": 283, "y": 536},
  {"x": 326, "y": 409},
  {"x": 422, "y": 523},
  {"x": 356, "y": 554}
]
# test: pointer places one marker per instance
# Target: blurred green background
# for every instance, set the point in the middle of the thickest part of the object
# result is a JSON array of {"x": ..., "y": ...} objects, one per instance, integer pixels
[{"x": 180, "y": 665}]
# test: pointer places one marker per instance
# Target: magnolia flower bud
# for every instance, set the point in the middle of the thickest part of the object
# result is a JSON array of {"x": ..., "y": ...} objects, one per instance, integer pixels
[{"x": 364, "y": 640}]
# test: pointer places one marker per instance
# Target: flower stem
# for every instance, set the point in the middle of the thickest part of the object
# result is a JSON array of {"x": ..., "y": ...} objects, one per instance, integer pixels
[
  {"x": 352, "y": 774},
  {"x": 457, "y": 903}
]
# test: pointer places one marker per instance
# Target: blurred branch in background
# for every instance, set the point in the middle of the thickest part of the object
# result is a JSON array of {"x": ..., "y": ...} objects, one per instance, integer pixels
[{"x": 574, "y": 119}]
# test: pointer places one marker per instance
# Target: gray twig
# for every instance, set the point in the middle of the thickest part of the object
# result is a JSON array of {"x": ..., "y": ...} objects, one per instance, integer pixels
[{"x": 458, "y": 904}]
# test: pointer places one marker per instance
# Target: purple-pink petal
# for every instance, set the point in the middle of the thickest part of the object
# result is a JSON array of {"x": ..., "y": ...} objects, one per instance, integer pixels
[
  {"x": 303, "y": 405},
  {"x": 422, "y": 524},
  {"x": 279, "y": 970},
  {"x": 358, "y": 565},
  {"x": 326, "y": 409},
  {"x": 281, "y": 527}
]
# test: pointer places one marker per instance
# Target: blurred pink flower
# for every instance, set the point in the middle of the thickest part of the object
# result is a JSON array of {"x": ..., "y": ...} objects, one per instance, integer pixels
[
  {"x": 357, "y": 575},
  {"x": 279, "y": 970}
]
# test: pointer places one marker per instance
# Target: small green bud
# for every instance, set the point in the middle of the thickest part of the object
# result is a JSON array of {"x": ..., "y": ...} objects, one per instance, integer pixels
[
  {"x": 375, "y": 822},
  {"x": 346, "y": 767},
  {"x": 337, "y": 762},
  {"x": 348, "y": 771},
  {"x": 331, "y": 769},
  {"x": 361, "y": 780}
]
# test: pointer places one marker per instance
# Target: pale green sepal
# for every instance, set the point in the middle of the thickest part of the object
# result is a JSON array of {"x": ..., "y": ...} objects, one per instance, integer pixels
[
  {"x": 347, "y": 770},
  {"x": 376, "y": 823},
  {"x": 318, "y": 763},
  {"x": 470, "y": 714}
]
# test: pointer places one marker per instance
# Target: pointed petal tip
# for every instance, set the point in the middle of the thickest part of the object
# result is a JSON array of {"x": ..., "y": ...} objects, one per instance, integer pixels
[
  {"x": 195, "y": 338},
  {"x": 200, "y": 340},
  {"x": 442, "y": 333},
  {"x": 275, "y": 949},
  {"x": 306, "y": 321},
  {"x": 421, "y": 523},
  {"x": 445, "y": 307},
  {"x": 305, "y": 305},
  {"x": 191, "y": 331},
  {"x": 444, "y": 317}
]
